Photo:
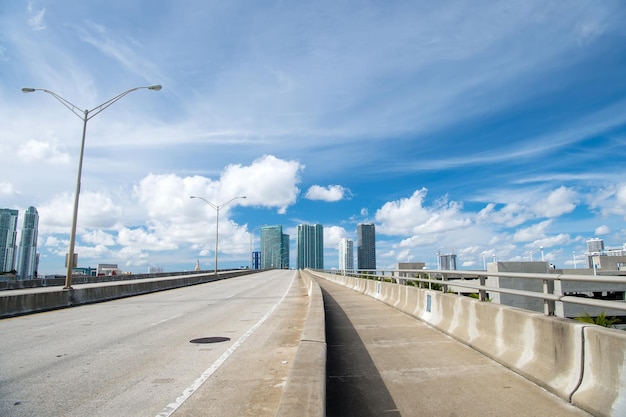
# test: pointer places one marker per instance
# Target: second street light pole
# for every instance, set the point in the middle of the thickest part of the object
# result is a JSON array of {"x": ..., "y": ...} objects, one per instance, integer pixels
[
  {"x": 217, "y": 208},
  {"x": 85, "y": 116}
]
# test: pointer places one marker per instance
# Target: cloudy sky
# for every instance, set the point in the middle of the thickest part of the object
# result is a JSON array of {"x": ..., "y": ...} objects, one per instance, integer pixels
[{"x": 484, "y": 128}]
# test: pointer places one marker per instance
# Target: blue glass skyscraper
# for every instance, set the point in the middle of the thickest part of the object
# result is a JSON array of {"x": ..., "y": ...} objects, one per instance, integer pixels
[
  {"x": 8, "y": 239},
  {"x": 274, "y": 248},
  {"x": 310, "y": 246}
]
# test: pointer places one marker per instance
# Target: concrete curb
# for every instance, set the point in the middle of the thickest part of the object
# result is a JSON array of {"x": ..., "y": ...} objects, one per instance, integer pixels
[{"x": 305, "y": 392}]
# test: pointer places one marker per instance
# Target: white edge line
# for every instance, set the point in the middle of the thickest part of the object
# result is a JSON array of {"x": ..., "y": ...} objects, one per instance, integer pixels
[
  {"x": 171, "y": 407},
  {"x": 167, "y": 319}
]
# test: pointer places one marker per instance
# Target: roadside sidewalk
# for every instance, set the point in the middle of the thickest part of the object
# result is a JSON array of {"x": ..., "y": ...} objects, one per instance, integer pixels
[{"x": 382, "y": 362}]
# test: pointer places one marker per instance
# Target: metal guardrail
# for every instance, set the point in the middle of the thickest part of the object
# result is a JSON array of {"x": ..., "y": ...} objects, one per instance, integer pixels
[{"x": 551, "y": 295}]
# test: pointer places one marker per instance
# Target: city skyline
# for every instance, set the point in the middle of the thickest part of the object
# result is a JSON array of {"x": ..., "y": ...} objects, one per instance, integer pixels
[{"x": 491, "y": 129}]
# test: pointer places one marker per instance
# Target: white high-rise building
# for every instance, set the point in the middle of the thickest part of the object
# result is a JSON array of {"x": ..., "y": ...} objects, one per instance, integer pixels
[
  {"x": 28, "y": 261},
  {"x": 346, "y": 254},
  {"x": 595, "y": 245}
]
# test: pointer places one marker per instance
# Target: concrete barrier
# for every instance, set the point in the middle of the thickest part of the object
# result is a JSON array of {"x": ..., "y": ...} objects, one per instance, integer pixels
[
  {"x": 15, "y": 305},
  {"x": 38, "y": 300},
  {"x": 583, "y": 364},
  {"x": 602, "y": 391},
  {"x": 305, "y": 391}
]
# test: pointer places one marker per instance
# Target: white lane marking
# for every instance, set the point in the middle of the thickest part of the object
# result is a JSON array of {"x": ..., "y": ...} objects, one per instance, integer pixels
[
  {"x": 164, "y": 320},
  {"x": 241, "y": 292},
  {"x": 171, "y": 407}
]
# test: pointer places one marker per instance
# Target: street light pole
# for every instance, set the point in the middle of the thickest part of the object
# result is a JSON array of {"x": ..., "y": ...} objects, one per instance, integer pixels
[
  {"x": 85, "y": 116},
  {"x": 217, "y": 208}
]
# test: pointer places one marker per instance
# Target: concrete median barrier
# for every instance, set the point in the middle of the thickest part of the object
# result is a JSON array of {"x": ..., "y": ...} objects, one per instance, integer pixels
[
  {"x": 602, "y": 391},
  {"x": 20, "y": 302},
  {"x": 305, "y": 391}
]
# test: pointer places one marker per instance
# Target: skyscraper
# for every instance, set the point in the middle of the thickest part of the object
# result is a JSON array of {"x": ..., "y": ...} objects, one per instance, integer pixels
[
  {"x": 8, "y": 239},
  {"x": 274, "y": 248},
  {"x": 310, "y": 246},
  {"x": 28, "y": 260},
  {"x": 366, "y": 245},
  {"x": 285, "y": 251},
  {"x": 346, "y": 254}
]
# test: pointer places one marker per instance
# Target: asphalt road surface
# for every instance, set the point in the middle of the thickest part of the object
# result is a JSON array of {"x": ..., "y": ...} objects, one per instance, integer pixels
[{"x": 134, "y": 357}]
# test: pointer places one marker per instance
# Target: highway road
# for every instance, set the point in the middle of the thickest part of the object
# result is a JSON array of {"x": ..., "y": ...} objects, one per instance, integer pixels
[{"x": 134, "y": 357}]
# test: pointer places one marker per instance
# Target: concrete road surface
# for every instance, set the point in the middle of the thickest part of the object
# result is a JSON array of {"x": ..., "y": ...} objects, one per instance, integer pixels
[{"x": 133, "y": 357}]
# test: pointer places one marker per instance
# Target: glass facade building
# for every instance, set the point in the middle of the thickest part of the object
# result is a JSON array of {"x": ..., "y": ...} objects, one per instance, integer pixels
[
  {"x": 28, "y": 260},
  {"x": 310, "y": 246},
  {"x": 8, "y": 239},
  {"x": 274, "y": 248},
  {"x": 366, "y": 246}
]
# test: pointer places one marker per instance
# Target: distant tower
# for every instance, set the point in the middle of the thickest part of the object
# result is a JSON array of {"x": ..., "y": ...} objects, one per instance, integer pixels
[
  {"x": 28, "y": 260},
  {"x": 595, "y": 245},
  {"x": 310, "y": 246},
  {"x": 366, "y": 245},
  {"x": 197, "y": 265},
  {"x": 8, "y": 239},
  {"x": 346, "y": 254},
  {"x": 446, "y": 261},
  {"x": 274, "y": 248}
]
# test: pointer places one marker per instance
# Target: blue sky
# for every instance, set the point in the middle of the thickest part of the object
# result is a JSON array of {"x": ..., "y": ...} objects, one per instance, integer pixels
[{"x": 484, "y": 128}]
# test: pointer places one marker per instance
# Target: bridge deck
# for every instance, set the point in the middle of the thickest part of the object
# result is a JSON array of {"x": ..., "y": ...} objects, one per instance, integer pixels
[{"x": 382, "y": 362}]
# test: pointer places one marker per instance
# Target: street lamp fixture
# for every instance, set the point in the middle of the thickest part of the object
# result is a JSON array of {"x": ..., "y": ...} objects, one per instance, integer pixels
[
  {"x": 85, "y": 116},
  {"x": 217, "y": 208}
]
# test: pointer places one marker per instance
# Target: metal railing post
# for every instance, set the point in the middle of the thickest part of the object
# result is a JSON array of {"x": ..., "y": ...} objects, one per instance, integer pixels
[
  {"x": 548, "y": 305},
  {"x": 482, "y": 293}
]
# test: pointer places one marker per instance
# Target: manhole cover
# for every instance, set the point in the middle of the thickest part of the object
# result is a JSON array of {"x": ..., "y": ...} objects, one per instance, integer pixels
[{"x": 210, "y": 340}]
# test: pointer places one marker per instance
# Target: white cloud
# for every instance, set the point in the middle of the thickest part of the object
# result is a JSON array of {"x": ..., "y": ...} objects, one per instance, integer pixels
[
  {"x": 166, "y": 196},
  {"x": 559, "y": 240},
  {"x": 36, "y": 18},
  {"x": 330, "y": 193},
  {"x": 560, "y": 201},
  {"x": 533, "y": 232},
  {"x": 6, "y": 188},
  {"x": 132, "y": 256},
  {"x": 98, "y": 237},
  {"x": 96, "y": 210},
  {"x": 267, "y": 182},
  {"x": 611, "y": 200},
  {"x": 35, "y": 150},
  {"x": 332, "y": 236},
  {"x": 602, "y": 230},
  {"x": 511, "y": 215},
  {"x": 142, "y": 239},
  {"x": 409, "y": 216}
]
